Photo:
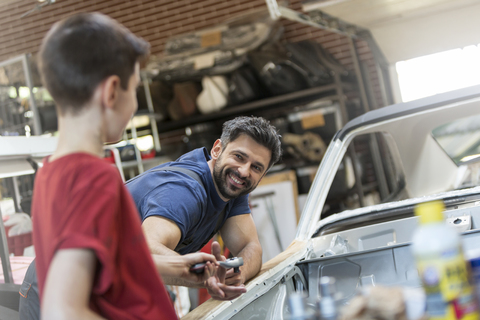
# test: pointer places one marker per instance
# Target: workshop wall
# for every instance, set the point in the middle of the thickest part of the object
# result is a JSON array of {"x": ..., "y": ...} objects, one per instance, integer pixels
[{"x": 156, "y": 21}]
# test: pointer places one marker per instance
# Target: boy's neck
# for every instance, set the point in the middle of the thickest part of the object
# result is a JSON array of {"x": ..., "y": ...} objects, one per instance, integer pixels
[{"x": 80, "y": 133}]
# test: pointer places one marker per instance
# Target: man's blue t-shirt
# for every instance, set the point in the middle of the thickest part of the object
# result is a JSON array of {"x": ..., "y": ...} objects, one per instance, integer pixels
[{"x": 180, "y": 198}]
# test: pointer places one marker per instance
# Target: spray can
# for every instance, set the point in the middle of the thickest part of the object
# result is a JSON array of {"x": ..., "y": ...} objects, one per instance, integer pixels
[{"x": 442, "y": 267}]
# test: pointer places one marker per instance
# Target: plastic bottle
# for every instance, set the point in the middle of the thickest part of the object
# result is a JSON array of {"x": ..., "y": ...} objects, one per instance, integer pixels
[
  {"x": 326, "y": 304},
  {"x": 473, "y": 259},
  {"x": 442, "y": 267},
  {"x": 299, "y": 308}
]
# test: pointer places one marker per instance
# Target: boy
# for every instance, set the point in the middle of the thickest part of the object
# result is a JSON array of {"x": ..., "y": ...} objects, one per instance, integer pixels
[{"x": 91, "y": 256}]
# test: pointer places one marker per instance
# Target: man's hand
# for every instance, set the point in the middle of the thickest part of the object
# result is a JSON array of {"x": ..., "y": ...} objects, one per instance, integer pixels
[
  {"x": 234, "y": 279},
  {"x": 240, "y": 237},
  {"x": 179, "y": 266},
  {"x": 216, "y": 286}
]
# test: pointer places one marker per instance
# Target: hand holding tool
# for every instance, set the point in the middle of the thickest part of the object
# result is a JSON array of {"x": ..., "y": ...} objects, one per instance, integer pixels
[{"x": 234, "y": 263}]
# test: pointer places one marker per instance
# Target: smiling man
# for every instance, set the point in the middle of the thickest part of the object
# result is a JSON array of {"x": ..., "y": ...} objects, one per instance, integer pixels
[{"x": 185, "y": 202}]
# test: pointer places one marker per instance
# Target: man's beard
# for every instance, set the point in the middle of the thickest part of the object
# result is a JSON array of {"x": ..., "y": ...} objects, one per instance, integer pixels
[{"x": 220, "y": 176}]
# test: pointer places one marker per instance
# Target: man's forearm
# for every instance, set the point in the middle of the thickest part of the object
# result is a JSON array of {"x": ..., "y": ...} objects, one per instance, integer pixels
[
  {"x": 162, "y": 236},
  {"x": 252, "y": 260}
]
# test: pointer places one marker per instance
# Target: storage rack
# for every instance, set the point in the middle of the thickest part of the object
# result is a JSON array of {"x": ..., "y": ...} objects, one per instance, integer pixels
[
  {"x": 13, "y": 122},
  {"x": 321, "y": 20},
  {"x": 338, "y": 92},
  {"x": 16, "y": 156},
  {"x": 334, "y": 92},
  {"x": 35, "y": 122}
]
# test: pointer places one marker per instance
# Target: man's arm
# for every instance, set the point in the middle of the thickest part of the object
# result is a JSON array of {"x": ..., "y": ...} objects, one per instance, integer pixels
[
  {"x": 240, "y": 236},
  {"x": 70, "y": 268},
  {"x": 162, "y": 237}
]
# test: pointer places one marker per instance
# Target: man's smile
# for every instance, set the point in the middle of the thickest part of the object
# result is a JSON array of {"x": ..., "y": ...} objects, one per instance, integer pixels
[{"x": 236, "y": 181}]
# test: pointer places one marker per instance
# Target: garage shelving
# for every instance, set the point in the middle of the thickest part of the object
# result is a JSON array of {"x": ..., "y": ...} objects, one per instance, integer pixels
[
  {"x": 328, "y": 92},
  {"x": 17, "y": 154}
]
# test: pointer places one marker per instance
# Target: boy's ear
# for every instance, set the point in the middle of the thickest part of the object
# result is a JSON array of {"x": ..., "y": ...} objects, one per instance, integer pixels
[
  {"x": 216, "y": 149},
  {"x": 110, "y": 91}
]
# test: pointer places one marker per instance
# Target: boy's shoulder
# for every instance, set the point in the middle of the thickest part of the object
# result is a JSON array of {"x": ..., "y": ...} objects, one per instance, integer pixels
[
  {"x": 82, "y": 169},
  {"x": 80, "y": 161}
]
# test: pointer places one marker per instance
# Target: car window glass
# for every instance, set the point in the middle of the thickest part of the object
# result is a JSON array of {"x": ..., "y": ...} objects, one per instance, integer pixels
[
  {"x": 369, "y": 174},
  {"x": 460, "y": 139}
]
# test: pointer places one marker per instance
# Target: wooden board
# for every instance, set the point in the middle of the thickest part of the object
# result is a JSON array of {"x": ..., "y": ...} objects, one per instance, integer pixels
[{"x": 203, "y": 311}]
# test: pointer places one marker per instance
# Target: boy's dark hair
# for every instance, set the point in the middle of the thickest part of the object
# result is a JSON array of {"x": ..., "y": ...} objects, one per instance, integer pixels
[
  {"x": 258, "y": 129},
  {"x": 81, "y": 51}
]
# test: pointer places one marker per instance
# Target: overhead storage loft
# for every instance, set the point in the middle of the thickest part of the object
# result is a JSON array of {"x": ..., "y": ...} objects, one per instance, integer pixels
[{"x": 406, "y": 29}]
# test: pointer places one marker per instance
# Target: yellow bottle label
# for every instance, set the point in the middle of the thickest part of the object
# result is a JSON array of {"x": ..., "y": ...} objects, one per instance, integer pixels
[{"x": 446, "y": 282}]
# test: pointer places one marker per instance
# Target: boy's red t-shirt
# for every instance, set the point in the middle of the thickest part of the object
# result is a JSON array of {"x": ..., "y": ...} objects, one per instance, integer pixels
[{"x": 79, "y": 201}]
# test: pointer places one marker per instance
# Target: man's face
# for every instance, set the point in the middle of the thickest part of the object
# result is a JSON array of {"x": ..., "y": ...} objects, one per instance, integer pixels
[{"x": 240, "y": 167}]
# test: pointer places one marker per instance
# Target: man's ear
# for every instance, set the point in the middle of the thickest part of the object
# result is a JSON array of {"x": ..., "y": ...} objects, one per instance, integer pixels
[
  {"x": 110, "y": 89},
  {"x": 216, "y": 149}
]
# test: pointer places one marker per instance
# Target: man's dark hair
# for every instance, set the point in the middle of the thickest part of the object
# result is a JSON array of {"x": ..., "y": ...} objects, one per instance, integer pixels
[
  {"x": 81, "y": 51},
  {"x": 258, "y": 129}
]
